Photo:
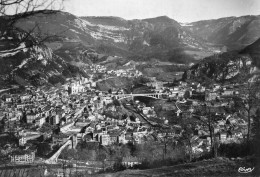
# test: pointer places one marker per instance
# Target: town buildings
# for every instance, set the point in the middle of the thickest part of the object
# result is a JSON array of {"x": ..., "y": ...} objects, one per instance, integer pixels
[{"x": 77, "y": 112}]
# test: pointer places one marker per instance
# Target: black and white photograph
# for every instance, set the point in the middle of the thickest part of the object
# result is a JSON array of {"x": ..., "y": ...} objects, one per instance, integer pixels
[{"x": 129, "y": 88}]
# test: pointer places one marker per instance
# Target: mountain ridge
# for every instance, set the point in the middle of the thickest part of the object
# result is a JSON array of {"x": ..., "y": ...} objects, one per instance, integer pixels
[
  {"x": 150, "y": 38},
  {"x": 233, "y": 32},
  {"x": 86, "y": 40}
]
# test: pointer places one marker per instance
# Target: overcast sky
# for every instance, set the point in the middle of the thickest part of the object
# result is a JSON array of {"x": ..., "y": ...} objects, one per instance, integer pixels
[{"x": 180, "y": 10}]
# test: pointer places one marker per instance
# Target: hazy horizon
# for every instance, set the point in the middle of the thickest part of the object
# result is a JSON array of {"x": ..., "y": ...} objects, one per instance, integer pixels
[
  {"x": 165, "y": 16},
  {"x": 179, "y": 10}
]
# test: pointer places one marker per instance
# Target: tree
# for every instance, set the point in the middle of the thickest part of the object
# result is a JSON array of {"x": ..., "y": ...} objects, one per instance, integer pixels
[
  {"x": 256, "y": 137},
  {"x": 256, "y": 125},
  {"x": 187, "y": 94},
  {"x": 210, "y": 124},
  {"x": 248, "y": 100},
  {"x": 14, "y": 11},
  {"x": 2, "y": 124},
  {"x": 207, "y": 119},
  {"x": 132, "y": 118},
  {"x": 46, "y": 128},
  {"x": 187, "y": 134},
  {"x": 43, "y": 149},
  {"x": 116, "y": 102}
]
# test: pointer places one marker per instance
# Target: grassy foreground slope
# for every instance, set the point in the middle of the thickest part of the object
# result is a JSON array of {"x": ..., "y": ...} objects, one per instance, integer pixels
[{"x": 212, "y": 167}]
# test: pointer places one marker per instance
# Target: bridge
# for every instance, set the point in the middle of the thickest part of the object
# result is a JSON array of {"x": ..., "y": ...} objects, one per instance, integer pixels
[
  {"x": 54, "y": 158},
  {"x": 151, "y": 95}
]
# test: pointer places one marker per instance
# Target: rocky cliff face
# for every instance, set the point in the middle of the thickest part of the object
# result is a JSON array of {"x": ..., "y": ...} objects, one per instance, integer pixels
[
  {"x": 29, "y": 64},
  {"x": 229, "y": 66},
  {"x": 221, "y": 68}
]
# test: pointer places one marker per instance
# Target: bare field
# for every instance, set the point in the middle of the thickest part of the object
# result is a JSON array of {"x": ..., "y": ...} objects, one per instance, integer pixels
[
  {"x": 198, "y": 54},
  {"x": 169, "y": 76}
]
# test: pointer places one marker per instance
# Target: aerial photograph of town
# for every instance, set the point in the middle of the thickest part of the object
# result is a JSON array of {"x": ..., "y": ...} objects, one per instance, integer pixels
[{"x": 129, "y": 88}]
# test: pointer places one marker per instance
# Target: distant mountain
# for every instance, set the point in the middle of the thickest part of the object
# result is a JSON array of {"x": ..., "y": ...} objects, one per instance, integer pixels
[
  {"x": 148, "y": 38},
  {"x": 233, "y": 32}
]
